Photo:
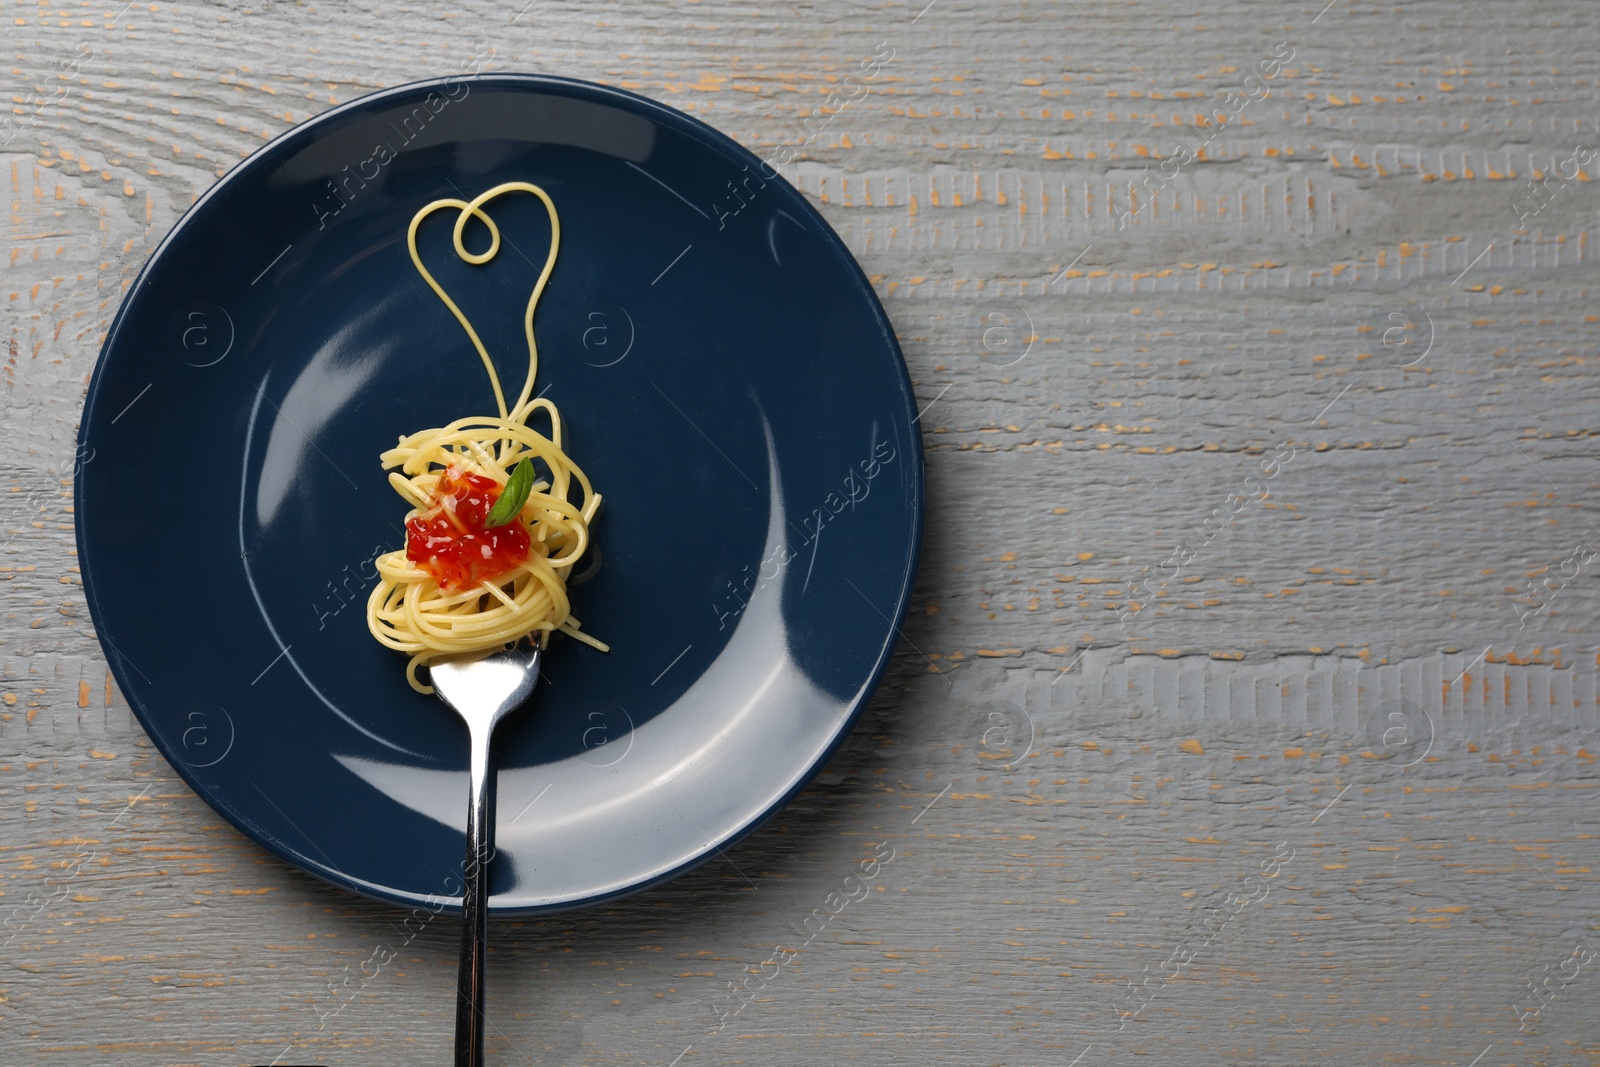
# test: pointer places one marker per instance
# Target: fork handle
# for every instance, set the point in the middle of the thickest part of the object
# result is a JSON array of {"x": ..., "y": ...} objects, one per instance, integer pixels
[{"x": 474, "y": 909}]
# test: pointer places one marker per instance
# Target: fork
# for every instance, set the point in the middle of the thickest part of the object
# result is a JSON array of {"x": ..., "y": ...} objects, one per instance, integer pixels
[{"x": 481, "y": 687}]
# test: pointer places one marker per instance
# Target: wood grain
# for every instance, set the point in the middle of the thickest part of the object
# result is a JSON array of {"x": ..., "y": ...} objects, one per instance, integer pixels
[{"x": 1067, "y": 783}]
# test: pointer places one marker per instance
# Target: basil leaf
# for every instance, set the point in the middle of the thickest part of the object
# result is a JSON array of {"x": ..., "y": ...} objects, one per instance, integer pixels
[{"x": 513, "y": 496}]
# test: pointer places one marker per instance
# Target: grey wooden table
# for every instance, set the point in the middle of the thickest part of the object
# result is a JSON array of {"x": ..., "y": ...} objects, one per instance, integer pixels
[{"x": 1248, "y": 701}]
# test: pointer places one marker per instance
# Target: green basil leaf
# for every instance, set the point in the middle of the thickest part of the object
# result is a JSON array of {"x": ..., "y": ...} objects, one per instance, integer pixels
[{"x": 513, "y": 496}]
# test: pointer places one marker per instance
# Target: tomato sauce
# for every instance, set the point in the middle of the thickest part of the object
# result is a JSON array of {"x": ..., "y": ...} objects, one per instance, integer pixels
[{"x": 450, "y": 540}]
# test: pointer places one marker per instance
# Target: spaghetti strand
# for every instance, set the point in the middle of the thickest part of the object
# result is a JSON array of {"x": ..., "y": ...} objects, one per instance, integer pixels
[{"x": 409, "y": 610}]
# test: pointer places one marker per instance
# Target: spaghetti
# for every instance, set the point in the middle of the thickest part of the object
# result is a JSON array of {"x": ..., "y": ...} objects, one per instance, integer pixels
[{"x": 466, "y": 582}]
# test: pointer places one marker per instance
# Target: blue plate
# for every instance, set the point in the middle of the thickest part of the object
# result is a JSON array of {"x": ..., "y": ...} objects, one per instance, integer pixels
[{"x": 729, "y": 382}]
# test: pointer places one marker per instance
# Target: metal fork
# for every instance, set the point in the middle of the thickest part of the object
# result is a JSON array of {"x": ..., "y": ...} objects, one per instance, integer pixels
[{"x": 481, "y": 687}]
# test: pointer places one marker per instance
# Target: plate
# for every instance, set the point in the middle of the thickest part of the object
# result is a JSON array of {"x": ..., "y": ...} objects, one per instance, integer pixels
[{"x": 728, "y": 381}]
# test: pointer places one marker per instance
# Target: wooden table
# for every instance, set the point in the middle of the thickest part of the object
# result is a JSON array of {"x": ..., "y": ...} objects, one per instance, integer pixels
[{"x": 1247, "y": 704}]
